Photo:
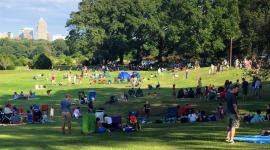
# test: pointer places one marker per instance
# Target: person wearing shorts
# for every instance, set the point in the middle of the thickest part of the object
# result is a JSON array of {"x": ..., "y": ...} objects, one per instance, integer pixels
[
  {"x": 233, "y": 113},
  {"x": 66, "y": 114}
]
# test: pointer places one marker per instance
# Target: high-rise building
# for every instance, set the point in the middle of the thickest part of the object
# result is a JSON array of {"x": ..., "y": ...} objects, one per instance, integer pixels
[
  {"x": 58, "y": 37},
  {"x": 42, "y": 31},
  {"x": 26, "y": 33},
  {"x": 6, "y": 35}
]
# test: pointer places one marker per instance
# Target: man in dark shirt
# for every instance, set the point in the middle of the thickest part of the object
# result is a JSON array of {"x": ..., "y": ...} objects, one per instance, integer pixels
[
  {"x": 147, "y": 110},
  {"x": 244, "y": 88},
  {"x": 233, "y": 114}
]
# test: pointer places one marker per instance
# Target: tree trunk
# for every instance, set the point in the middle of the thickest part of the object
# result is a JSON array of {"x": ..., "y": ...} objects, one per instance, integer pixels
[
  {"x": 121, "y": 57},
  {"x": 231, "y": 53}
]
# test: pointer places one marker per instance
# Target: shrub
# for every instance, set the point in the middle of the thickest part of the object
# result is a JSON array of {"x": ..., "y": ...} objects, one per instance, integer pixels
[
  {"x": 42, "y": 62},
  {"x": 6, "y": 62}
]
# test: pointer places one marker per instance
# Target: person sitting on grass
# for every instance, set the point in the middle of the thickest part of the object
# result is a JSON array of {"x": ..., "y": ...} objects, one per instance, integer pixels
[
  {"x": 139, "y": 93},
  {"x": 32, "y": 94},
  {"x": 16, "y": 96},
  {"x": 257, "y": 118},
  {"x": 22, "y": 95},
  {"x": 191, "y": 93},
  {"x": 202, "y": 117},
  {"x": 29, "y": 116},
  {"x": 192, "y": 116},
  {"x": 221, "y": 93},
  {"x": 185, "y": 93},
  {"x": 268, "y": 113},
  {"x": 158, "y": 86},
  {"x": 220, "y": 111},
  {"x": 77, "y": 113},
  {"x": 44, "y": 118},
  {"x": 49, "y": 92},
  {"x": 107, "y": 122},
  {"x": 99, "y": 127},
  {"x": 131, "y": 92},
  {"x": 134, "y": 121},
  {"x": 180, "y": 93}
]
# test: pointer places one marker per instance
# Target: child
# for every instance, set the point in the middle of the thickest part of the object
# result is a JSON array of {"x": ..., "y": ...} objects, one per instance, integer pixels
[
  {"x": 220, "y": 111},
  {"x": 99, "y": 127},
  {"x": 77, "y": 113},
  {"x": 51, "y": 113},
  {"x": 268, "y": 112},
  {"x": 44, "y": 118}
]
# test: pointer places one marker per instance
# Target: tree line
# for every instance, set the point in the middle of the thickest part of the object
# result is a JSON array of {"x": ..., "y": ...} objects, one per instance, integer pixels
[{"x": 109, "y": 30}]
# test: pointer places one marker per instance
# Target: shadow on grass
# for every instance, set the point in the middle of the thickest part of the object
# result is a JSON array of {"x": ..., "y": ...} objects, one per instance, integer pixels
[{"x": 182, "y": 136}]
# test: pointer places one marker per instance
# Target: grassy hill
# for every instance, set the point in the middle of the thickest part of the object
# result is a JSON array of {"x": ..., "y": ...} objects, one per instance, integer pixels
[{"x": 154, "y": 136}]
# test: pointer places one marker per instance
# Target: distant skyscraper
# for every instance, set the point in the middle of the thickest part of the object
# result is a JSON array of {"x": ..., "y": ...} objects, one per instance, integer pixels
[
  {"x": 27, "y": 33},
  {"x": 58, "y": 37},
  {"x": 42, "y": 31},
  {"x": 6, "y": 35}
]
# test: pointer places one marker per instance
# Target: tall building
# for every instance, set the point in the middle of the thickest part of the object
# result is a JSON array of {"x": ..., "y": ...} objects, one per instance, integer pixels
[
  {"x": 58, "y": 37},
  {"x": 6, "y": 35},
  {"x": 42, "y": 31},
  {"x": 27, "y": 33}
]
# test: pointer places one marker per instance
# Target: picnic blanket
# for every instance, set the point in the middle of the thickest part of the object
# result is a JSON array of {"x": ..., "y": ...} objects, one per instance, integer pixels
[
  {"x": 6, "y": 125},
  {"x": 254, "y": 139}
]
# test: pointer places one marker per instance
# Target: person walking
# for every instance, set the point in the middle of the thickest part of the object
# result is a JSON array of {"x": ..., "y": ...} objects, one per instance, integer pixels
[
  {"x": 66, "y": 113},
  {"x": 233, "y": 113}
]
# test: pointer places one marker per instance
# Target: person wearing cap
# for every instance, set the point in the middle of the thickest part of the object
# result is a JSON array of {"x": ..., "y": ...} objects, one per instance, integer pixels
[
  {"x": 233, "y": 113},
  {"x": 66, "y": 113}
]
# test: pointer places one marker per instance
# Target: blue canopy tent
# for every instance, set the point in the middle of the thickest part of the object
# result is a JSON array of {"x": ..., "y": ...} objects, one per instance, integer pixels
[
  {"x": 135, "y": 73},
  {"x": 124, "y": 75}
]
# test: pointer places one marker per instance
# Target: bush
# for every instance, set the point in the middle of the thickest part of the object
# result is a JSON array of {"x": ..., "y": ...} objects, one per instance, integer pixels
[
  {"x": 42, "y": 62},
  {"x": 6, "y": 62}
]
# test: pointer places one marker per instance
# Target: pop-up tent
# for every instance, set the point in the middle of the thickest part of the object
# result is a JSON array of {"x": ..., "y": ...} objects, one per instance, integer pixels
[
  {"x": 124, "y": 75},
  {"x": 135, "y": 74}
]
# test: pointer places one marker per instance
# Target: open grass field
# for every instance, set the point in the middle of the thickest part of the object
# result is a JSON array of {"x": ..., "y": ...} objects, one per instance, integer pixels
[{"x": 153, "y": 136}]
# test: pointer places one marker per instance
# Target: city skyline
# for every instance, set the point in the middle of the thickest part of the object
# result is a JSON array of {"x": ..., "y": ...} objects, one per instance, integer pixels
[{"x": 18, "y": 14}]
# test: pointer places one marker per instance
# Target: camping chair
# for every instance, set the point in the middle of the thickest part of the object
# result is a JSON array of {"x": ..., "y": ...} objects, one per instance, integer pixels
[
  {"x": 100, "y": 114},
  {"x": 171, "y": 114},
  {"x": 134, "y": 121},
  {"x": 6, "y": 118},
  {"x": 116, "y": 122}
]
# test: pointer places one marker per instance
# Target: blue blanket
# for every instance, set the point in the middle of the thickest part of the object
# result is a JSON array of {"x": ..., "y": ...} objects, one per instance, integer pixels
[{"x": 254, "y": 139}]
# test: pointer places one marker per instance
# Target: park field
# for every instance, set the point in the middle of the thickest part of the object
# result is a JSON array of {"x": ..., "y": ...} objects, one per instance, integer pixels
[{"x": 153, "y": 136}]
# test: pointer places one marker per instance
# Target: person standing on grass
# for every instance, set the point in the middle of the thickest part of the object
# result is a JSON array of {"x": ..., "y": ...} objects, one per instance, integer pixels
[
  {"x": 66, "y": 113},
  {"x": 244, "y": 88},
  {"x": 147, "y": 109},
  {"x": 233, "y": 113},
  {"x": 174, "y": 90},
  {"x": 186, "y": 72}
]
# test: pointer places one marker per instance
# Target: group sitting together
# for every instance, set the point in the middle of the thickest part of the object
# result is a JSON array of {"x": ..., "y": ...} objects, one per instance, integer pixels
[
  {"x": 137, "y": 93},
  {"x": 9, "y": 115},
  {"x": 22, "y": 95},
  {"x": 258, "y": 117}
]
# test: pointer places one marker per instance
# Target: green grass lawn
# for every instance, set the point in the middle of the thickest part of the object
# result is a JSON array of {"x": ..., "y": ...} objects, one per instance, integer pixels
[{"x": 153, "y": 136}]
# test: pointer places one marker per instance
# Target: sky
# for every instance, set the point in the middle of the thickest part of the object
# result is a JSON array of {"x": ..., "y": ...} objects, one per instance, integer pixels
[{"x": 17, "y": 14}]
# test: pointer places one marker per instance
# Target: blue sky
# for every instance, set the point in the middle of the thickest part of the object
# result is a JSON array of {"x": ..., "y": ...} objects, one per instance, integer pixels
[{"x": 17, "y": 14}]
